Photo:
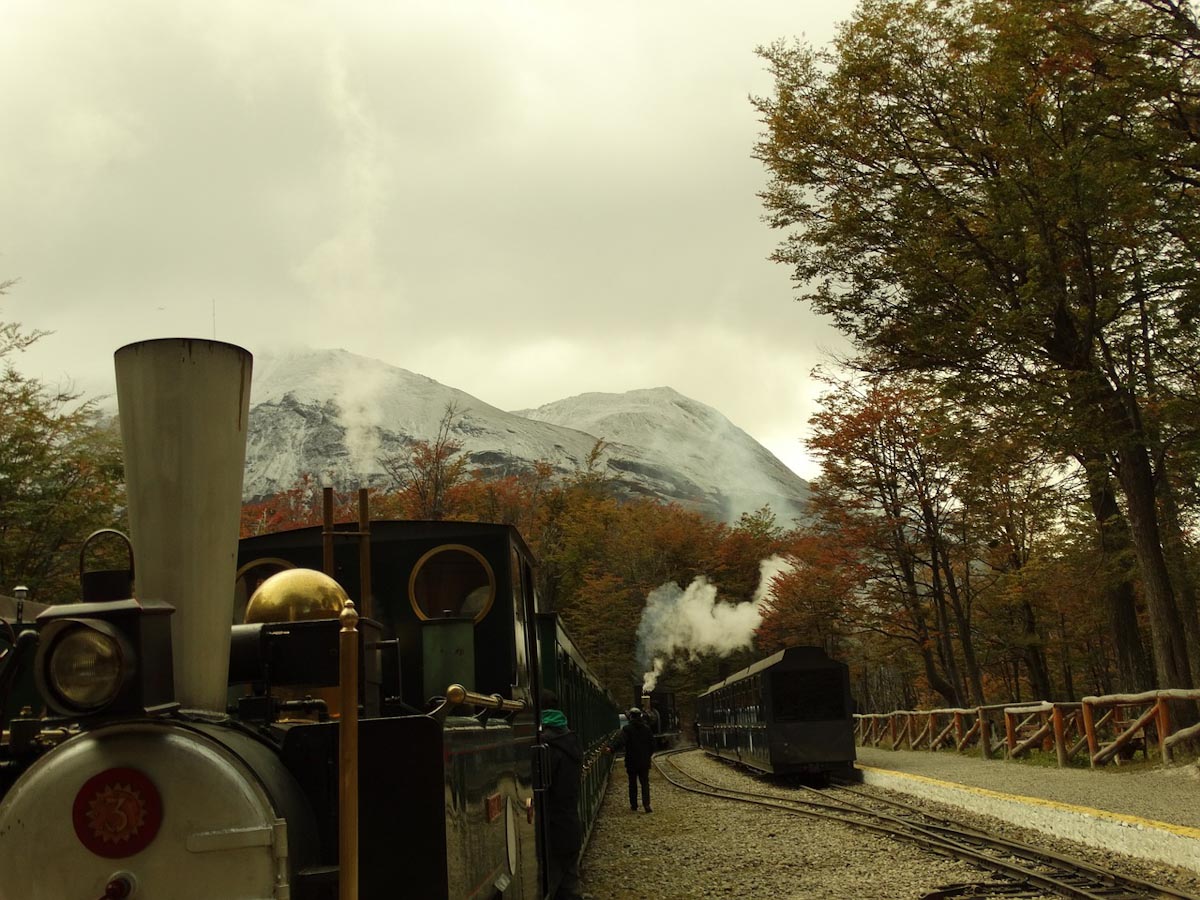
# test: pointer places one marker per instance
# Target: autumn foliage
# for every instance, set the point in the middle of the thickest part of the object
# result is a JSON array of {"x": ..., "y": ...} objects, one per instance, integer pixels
[
  {"x": 599, "y": 556},
  {"x": 60, "y": 479},
  {"x": 945, "y": 568}
]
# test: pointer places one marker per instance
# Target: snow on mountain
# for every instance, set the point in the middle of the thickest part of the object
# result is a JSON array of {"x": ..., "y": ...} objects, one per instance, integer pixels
[
  {"x": 333, "y": 415},
  {"x": 738, "y": 473}
]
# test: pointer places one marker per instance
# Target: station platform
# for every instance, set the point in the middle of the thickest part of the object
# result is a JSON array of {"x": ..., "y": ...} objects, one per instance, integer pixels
[{"x": 1149, "y": 812}]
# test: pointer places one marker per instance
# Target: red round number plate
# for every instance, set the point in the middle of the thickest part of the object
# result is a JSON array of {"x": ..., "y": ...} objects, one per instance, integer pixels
[{"x": 117, "y": 813}]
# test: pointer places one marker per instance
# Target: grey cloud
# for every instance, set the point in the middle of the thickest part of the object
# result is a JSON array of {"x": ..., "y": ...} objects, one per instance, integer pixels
[{"x": 410, "y": 181}]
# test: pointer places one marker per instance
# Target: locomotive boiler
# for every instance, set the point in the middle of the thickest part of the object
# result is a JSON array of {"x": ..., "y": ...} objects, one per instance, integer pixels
[{"x": 196, "y": 736}]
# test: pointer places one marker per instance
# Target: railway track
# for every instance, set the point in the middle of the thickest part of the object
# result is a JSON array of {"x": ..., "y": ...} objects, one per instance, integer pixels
[{"x": 1025, "y": 870}]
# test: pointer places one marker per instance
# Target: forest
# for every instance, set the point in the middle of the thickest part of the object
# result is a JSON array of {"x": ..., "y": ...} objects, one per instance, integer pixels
[{"x": 997, "y": 204}]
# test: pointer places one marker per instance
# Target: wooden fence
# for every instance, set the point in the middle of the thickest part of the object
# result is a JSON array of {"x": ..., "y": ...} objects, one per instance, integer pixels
[{"x": 1112, "y": 728}]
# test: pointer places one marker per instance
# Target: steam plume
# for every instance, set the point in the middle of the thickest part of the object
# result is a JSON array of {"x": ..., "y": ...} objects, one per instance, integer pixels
[{"x": 696, "y": 620}]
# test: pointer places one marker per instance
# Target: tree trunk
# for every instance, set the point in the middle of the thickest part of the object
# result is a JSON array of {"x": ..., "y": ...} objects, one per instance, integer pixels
[
  {"x": 1065, "y": 663},
  {"x": 934, "y": 677},
  {"x": 1166, "y": 626},
  {"x": 925, "y": 642},
  {"x": 963, "y": 621},
  {"x": 1134, "y": 671},
  {"x": 1114, "y": 413},
  {"x": 945, "y": 646},
  {"x": 1175, "y": 552},
  {"x": 1031, "y": 652}
]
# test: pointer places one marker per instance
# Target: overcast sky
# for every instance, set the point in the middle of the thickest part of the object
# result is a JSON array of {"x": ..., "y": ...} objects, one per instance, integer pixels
[{"x": 524, "y": 200}]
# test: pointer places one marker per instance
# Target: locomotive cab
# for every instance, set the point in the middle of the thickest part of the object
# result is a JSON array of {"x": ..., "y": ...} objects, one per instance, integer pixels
[{"x": 454, "y": 786}]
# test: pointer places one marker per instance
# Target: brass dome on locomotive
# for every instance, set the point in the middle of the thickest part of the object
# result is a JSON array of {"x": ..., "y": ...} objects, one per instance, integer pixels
[{"x": 296, "y": 595}]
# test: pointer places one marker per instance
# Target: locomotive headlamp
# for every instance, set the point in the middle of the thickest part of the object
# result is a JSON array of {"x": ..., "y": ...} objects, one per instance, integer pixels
[
  {"x": 109, "y": 657},
  {"x": 87, "y": 664}
]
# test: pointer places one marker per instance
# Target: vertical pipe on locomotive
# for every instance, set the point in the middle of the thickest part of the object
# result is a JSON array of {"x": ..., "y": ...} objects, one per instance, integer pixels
[{"x": 184, "y": 405}]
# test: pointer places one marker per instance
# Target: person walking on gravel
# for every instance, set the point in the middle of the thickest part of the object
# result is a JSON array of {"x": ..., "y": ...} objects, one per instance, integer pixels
[{"x": 638, "y": 742}]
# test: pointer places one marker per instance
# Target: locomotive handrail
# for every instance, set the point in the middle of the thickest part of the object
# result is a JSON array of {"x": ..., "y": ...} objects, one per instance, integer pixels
[
  {"x": 348, "y": 763},
  {"x": 457, "y": 695}
]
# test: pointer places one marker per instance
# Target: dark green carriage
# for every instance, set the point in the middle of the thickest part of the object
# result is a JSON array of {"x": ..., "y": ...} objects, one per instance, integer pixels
[{"x": 591, "y": 711}]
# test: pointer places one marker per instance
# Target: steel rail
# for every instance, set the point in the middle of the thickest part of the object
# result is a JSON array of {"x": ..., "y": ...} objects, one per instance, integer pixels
[
  {"x": 959, "y": 831},
  {"x": 1016, "y": 848},
  {"x": 948, "y": 838}
]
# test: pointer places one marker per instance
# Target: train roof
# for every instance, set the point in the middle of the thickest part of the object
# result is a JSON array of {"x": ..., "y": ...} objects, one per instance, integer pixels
[
  {"x": 382, "y": 529},
  {"x": 792, "y": 657}
]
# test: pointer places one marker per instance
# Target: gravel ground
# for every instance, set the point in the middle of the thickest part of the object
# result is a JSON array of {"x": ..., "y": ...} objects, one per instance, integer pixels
[{"x": 692, "y": 846}]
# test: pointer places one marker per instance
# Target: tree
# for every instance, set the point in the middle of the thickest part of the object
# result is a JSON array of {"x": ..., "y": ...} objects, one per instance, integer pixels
[
  {"x": 61, "y": 478},
  {"x": 297, "y": 507},
  {"x": 511, "y": 499},
  {"x": 739, "y": 555},
  {"x": 428, "y": 474},
  {"x": 812, "y": 601},
  {"x": 885, "y": 486},
  {"x": 1012, "y": 494},
  {"x": 990, "y": 192}
]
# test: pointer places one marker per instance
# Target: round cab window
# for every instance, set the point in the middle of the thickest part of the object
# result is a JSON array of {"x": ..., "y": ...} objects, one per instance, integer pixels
[
  {"x": 452, "y": 581},
  {"x": 248, "y": 579}
]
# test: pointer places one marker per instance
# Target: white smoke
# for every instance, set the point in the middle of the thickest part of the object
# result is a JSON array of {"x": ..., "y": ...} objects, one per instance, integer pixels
[
  {"x": 650, "y": 679},
  {"x": 696, "y": 620},
  {"x": 356, "y": 399}
]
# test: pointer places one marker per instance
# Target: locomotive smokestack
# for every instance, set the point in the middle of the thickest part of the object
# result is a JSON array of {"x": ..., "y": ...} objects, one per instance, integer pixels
[{"x": 184, "y": 404}]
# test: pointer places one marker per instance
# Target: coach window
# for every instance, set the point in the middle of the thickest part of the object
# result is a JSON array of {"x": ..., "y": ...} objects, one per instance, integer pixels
[{"x": 452, "y": 581}]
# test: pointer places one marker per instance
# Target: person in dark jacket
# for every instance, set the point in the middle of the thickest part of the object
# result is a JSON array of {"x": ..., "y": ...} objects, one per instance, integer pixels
[
  {"x": 564, "y": 834},
  {"x": 638, "y": 741}
]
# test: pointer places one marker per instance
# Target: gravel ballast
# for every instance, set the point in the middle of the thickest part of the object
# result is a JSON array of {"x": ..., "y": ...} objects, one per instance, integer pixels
[{"x": 694, "y": 846}]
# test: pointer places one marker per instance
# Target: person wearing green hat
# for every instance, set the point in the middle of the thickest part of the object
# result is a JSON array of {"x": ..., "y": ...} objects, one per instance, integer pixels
[{"x": 564, "y": 831}]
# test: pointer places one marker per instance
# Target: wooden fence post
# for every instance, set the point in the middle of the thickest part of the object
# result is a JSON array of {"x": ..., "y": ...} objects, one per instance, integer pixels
[
  {"x": 1060, "y": 736},
  {"x": 1164, "y": 725},
  {"x": 985, "y": 734},
  {"x": 1089, "y": 730}
]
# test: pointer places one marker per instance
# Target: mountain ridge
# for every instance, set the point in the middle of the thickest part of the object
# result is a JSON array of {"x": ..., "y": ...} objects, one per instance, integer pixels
[{"x": 333, "y": 414}]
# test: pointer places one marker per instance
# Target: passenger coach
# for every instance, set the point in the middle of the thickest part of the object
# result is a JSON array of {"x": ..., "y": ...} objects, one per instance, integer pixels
[{"x": 788, "y": 713}]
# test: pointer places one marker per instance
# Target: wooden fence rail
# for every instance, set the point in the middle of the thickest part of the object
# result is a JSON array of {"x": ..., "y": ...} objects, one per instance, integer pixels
[{"x": 1112, "y": 728}]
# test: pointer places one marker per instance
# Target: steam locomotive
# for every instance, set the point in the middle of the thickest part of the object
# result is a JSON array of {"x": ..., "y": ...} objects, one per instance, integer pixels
[
  {"x": 320, "y": 747},
  {"x": 661, "y": 714}
]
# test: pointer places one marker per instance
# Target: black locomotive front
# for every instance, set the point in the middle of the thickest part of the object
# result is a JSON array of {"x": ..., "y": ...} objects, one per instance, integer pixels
[{"x": 661, "y": 714}]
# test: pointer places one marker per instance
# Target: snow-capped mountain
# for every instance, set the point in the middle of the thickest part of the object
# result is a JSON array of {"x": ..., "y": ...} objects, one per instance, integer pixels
[
  {"x": 332, "y": 414},
  {"x": 736, "y": 472}
]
